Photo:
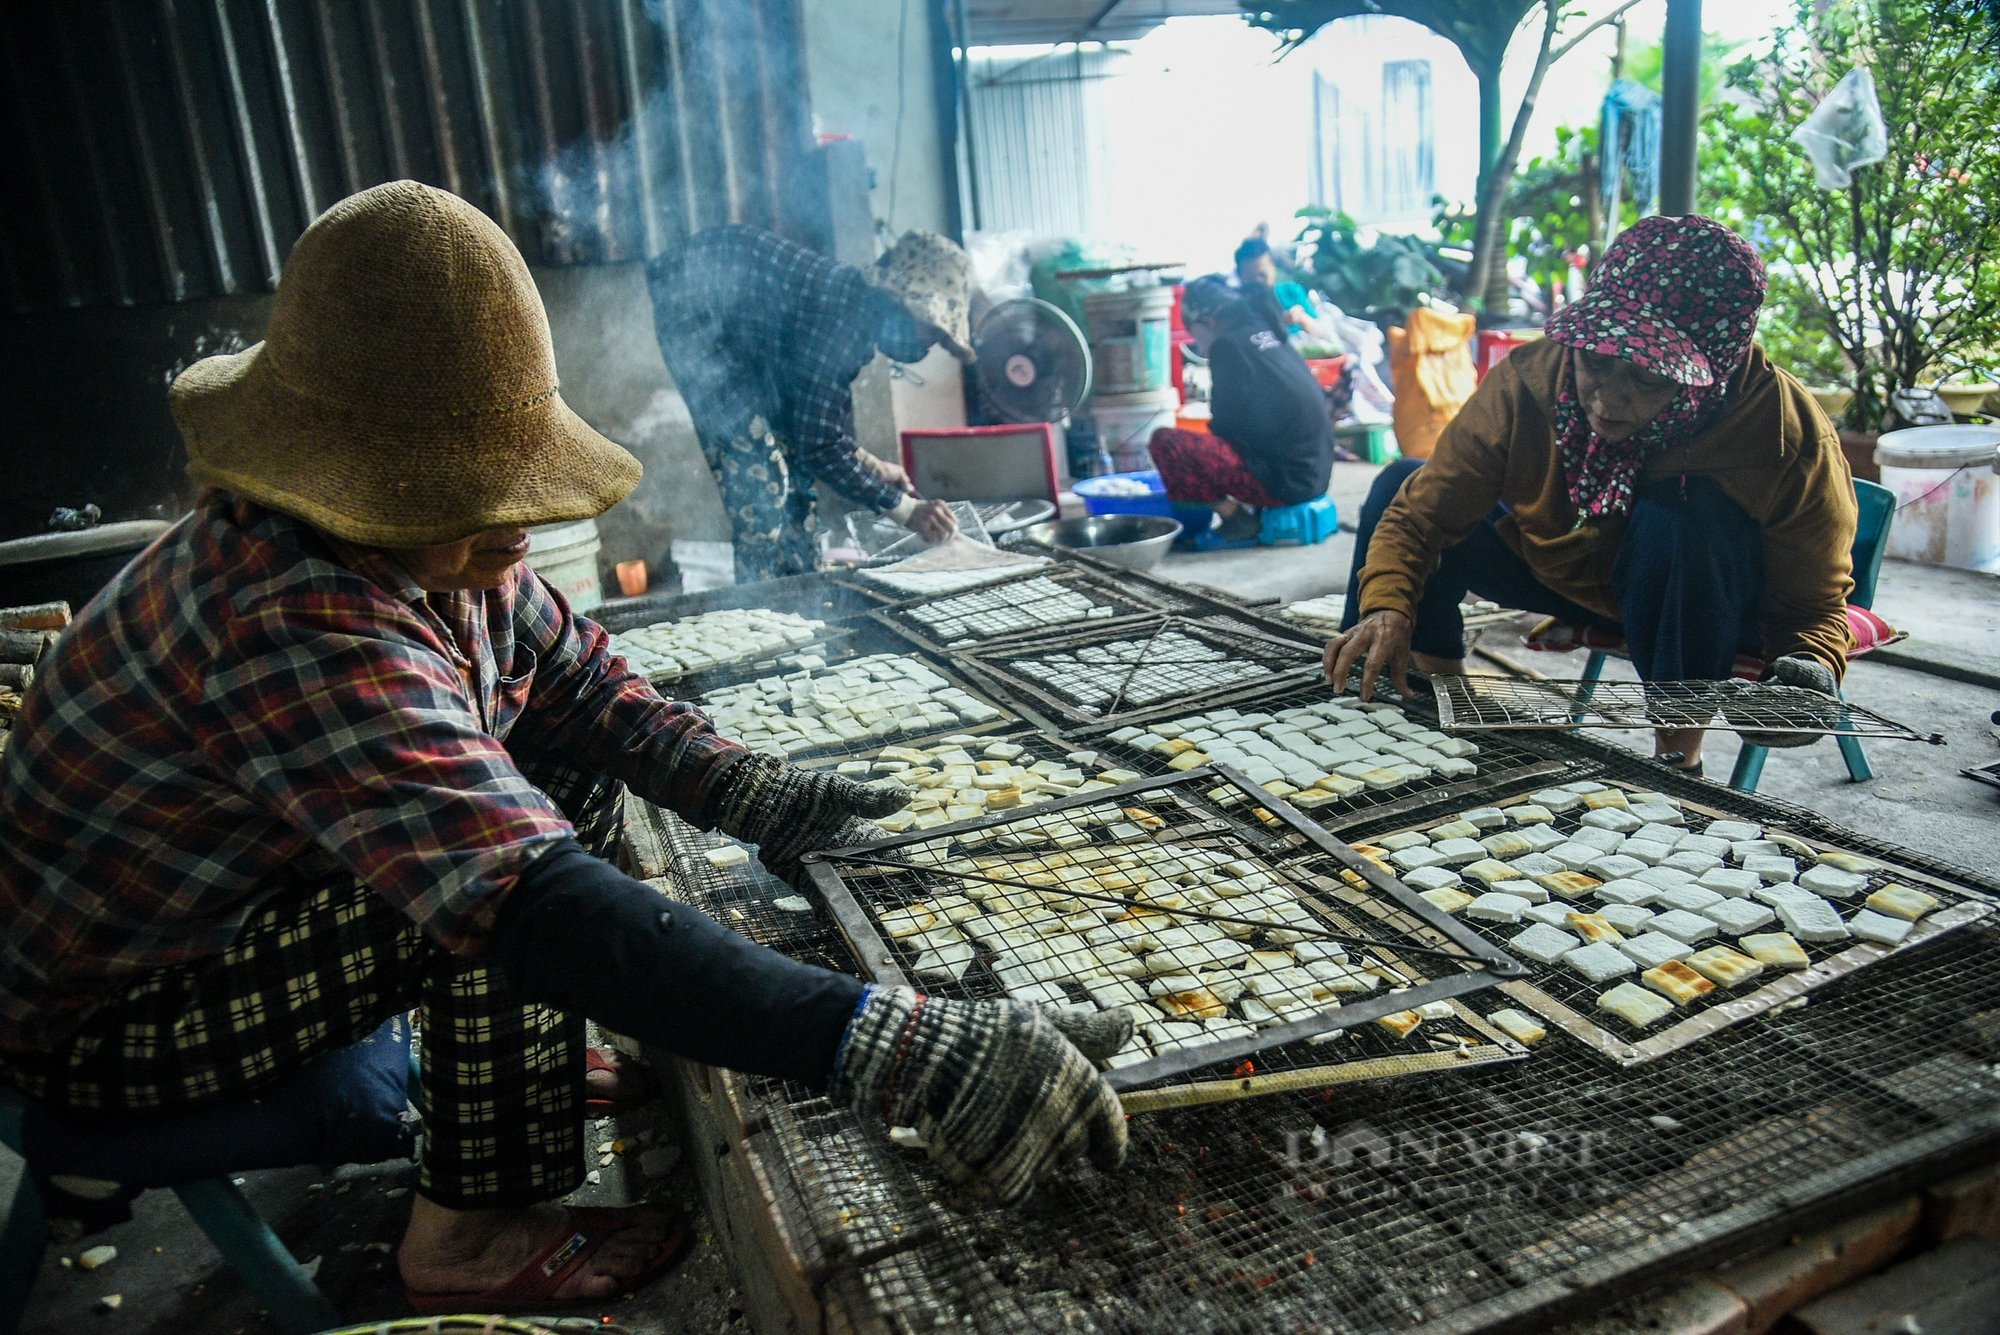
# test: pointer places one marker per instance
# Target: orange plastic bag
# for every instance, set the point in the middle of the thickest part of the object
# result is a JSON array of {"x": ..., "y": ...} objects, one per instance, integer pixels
[{"x": 1430, "y": 368}]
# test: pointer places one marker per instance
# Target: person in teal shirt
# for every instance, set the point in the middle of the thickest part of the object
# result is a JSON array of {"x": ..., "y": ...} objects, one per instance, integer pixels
[{"x": 1256, "y": 266}]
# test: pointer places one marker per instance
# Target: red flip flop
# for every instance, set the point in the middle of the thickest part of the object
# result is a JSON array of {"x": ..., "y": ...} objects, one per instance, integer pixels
[
  {"x": 645, "y": 1086},
  {"x": 535, "y": 1284}
]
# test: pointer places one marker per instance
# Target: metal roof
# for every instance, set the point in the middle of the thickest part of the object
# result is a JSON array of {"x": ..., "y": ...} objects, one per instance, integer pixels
[{"x": 1012, "y": 22}]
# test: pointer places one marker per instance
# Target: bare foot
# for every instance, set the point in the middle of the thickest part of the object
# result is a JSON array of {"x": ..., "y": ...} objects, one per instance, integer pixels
[
  {"x": 472, "y": 1251},
  {"x": 612, "y": 1085},
  {"x": 1687, "y": 741}
]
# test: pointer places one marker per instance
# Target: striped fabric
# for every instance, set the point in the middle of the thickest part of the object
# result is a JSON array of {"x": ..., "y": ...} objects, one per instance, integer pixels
[{"x": 252, "y": 706}]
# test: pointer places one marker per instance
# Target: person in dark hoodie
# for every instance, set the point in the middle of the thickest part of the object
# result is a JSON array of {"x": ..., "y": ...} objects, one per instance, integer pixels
[{"x": 1270, "y": 437}]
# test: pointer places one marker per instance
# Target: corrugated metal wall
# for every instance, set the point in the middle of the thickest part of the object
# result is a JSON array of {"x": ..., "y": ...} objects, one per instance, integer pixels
[
  {"x": 1038, "y": 127},
  {"x": 158, "y": 150}
]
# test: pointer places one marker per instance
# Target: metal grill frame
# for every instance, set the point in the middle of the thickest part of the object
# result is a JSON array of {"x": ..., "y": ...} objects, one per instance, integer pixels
[
  {"x": 1490, "y": 964},
  {"x": 1010, "y": 717},
  {"x": 897, "y": 616},
  {"x": 1959, "y": 910},
  {"x": 1482, "y": 703},
  {"x": 993, "y": 662},
  {"x": 817, "y": 596}
]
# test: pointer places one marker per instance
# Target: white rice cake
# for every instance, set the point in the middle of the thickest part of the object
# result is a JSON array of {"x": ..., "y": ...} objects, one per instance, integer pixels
[
  {"x": 1647, "y": 851},
  {"x": 1431, "y": 878},
  {"x": 1422, "y": 855},
  {"x": 1447, "y": 900},
  {"x": 1777, "y": 949},
  {"x": 1689, "y": 861},
  {"x": 1880, "y": 927},
  {"x": 1485, "y": 818},
  {"x": 1518, "y": 1025},
  {"x": 1627, "y": 918},
  {"x": 1729, "y": 881},
  {"x": 1532, "y": 865},
  {"x": 1453, "y": 829},
  {"x": 1737, "y": 916},
  {"x": 1553, "y": 914},
  {"x": 1755, "y": 848},
  {"x": 1574, "y": 857},
  {"x": 1733, "y": 830},
  {"x": 1657, "y": 812},
  {"x": 1724, "y": 967},
  {"x": 1614, "y": 866},
  {"x": 1494, "y": 906},
  {"x": 1635, "y": 1005},
  {"x": 1615, "y": 819},
  {"x": 1678, "y": 983},
  {"x": 1543, "y": 944},
  {"x": 1604, "y": 841},
  {"x": 1400, "y": 840},
  {"x": 1557, "y": 800},
  {"x": 730, "y": 855},
  {"x": 1702, "y": 843},
  {"x": 1656, "y": 833},
  {"x": 1771, "y": 869},
  {"x": 1633, "y": 892},
  {"x": 1900, "y": 901},
  {"x": 1665, "y": 877},
  {"x": 1689, "y": 898},
  {"x": 1458, "y": 852},
  {"x": 1652, "y": 949},
  {"x": 1530, "y": 813},
  {"x": 1832, "y": 882},
  {"x": 1541, "y": 838},
  {"x": 1810, "y": 918},
  {"x": 1600, "y": 962},
  {"x": 1684, "y": 926}
]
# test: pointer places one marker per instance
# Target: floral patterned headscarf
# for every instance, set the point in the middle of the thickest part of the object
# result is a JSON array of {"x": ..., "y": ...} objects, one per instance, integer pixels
[{"x": 1674, "y": 296}]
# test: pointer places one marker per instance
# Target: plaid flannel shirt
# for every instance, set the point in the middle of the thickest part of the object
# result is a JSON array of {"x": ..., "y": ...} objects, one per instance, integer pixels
[
  {"x": 253, "y": 704},
  {"x": 753, "y": 325}
]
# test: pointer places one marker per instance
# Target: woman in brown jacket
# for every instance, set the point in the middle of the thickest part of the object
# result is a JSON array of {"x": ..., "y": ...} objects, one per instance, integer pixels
[{"x": 1644, "y": 469}]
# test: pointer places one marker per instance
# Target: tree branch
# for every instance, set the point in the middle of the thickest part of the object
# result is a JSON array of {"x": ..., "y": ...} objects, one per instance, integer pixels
[{"x": 1595, "y": 24}]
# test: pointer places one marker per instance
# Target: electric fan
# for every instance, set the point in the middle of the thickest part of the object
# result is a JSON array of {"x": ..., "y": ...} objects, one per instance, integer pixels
[{"x": 1034, "y": 364}]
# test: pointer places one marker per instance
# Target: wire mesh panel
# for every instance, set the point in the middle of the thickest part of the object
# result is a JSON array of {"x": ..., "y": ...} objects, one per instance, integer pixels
[
  {"x": 815, "y": 597},
  {"x": 1651, "y": 922},
  {"x": 1039, "y": 603},
  {"x": 848, "y": 707},
  {"x": 1334, "y": 757},
  {"x": 1509, "y": 1194},
  {"x": 1134, "y": 897},
  {"x": 1986, "y": 774},
  {"x": 1135, "y": 668},
  {"x": 1485, "y": 702}
]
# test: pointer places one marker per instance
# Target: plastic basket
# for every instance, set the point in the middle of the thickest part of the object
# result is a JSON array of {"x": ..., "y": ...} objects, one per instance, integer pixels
[{"x": 1097, "y": 495}]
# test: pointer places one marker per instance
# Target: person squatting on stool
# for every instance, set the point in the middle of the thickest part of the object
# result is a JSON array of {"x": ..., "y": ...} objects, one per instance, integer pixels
[
  {"x": 1644, "y": 469},
  {"x": 1270, "y": 436},
  {"x": 328, "y": 751}
]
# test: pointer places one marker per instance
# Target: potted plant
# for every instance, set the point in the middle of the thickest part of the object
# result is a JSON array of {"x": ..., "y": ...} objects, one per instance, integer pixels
[{"x": 1903, "y": 263}]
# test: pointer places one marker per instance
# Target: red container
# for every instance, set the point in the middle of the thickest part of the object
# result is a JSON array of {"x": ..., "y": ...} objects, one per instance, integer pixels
[
  {"x": 1327, "y": 370},
  {"x": 1491, "y": 347}
]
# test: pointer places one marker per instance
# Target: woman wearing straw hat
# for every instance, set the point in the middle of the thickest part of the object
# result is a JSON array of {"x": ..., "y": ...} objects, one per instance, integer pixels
[
  {"x": 764, "y": 339},
  {"x": 1643, "y": 471},
  {"x": 327, "y": 751}
]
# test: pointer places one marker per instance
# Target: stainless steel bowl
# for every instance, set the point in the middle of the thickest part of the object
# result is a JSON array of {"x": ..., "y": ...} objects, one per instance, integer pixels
[{"x": 1138, "y": 541}]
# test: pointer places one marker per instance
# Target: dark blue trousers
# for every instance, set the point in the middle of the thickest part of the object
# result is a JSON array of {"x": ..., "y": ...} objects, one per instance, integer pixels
[{"x": 1689, "y": 579}]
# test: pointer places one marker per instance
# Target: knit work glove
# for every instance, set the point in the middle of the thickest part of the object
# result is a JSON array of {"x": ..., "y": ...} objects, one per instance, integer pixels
[
  {"x": 1812, "y": 676},
  {"x": 998, "y": 1094},
  {"x": 789, "y": 812}
]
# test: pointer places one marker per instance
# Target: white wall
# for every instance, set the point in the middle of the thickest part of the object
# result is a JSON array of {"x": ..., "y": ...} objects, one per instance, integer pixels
[{"x": 869, "y": 73}]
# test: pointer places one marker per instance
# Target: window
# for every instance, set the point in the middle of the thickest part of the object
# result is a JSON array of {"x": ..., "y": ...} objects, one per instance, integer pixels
[{"x": 1408, "y": 168}]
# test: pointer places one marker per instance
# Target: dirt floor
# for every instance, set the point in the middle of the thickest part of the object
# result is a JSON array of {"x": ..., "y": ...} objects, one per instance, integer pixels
[{"x": 172, "y": 1281}]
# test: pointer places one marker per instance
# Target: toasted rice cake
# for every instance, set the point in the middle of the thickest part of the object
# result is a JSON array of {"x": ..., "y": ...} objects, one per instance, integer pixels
[
  {"x": 1677, "y": 982},
  {"x": 1900, "y": 901},
  {"x": 1777, "y": 949},
  {"x": 1518, "y": 1025},
  {"x": 1723, "y": 966},
  {"x": 1447, "y": 900},
  {"x": 1568, "y": 884},
  {"x": 1593, "y": 927},
  {"x": 1402, "y": 1024},
  {"x": 1635, "y": 1005}
]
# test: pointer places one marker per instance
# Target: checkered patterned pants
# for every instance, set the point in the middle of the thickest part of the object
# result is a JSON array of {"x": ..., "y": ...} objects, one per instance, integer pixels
[{"x": 320, "y": 969}]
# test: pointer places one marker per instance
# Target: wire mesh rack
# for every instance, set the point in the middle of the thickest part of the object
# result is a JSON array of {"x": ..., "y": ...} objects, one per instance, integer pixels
[
  {"x": 1592, "y": 892},
  {"x": 1133, "y": 668},
  {"x": 1232, "y": 963},
  {"x": 1986, "y": 774},
  {"x": 1040, "y": 603},
  {"x": 848, "y": 707},
  {"x": 817, "y": 597},
  {"x": 1490, "y": 702},
  {"x": 1507, "y": 1196},
  {"x": 1327, "y": 752}
]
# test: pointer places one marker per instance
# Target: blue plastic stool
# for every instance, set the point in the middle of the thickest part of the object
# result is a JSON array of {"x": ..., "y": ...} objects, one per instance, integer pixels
[
  {"x": 1306, "y": 524},
  {"x": 342, "y": 1107}
]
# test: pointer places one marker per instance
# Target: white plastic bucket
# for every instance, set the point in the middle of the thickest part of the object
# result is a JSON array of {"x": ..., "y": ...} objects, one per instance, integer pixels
[
  {"x": 1947, "y": 495},
  {"x": 1125, "y": 432},
  {"x": 565, "y": 555},
  {"x": 1131, "y": 334}
]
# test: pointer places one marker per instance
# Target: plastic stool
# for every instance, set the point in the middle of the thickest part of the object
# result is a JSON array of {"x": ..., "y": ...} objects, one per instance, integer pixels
[{"x": 1307, "y": 525}]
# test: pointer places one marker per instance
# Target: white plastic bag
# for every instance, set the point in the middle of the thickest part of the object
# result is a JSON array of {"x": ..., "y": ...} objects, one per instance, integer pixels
[{"x": 1845, "y": 131}]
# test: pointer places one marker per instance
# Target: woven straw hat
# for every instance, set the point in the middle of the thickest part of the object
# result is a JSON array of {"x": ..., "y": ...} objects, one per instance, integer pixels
[
  {"x": 405, "y": 391},
  {"x": 930, "y": 275}
]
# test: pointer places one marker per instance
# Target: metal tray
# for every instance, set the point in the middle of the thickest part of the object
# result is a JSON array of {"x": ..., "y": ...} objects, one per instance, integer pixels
[
  {"x": 883, "y": 894},
  {"x": 1566, "y": 1000},
  {"x": 1480, "y": 703}
]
